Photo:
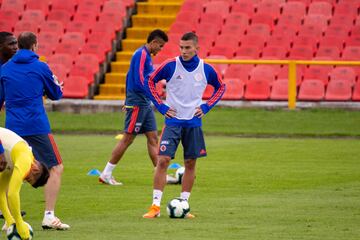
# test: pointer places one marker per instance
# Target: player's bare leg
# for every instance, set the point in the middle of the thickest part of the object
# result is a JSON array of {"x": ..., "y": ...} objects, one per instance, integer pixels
[
  {"x": 152, "y": 145},
  {"x": 51, "y": 191},
  {"x": 188, "y": 181},
  {"x": 116, "y": 155}
]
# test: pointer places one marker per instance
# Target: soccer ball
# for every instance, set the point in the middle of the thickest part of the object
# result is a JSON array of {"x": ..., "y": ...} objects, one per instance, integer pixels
[
  {"x": 178, "y": 208},
  {"x": 12, "y": 233},
  {"x": 179, "y": 174}
]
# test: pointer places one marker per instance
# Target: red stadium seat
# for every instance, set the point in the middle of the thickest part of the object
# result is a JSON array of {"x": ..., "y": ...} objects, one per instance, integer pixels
[
  {"x": 112, "y": 18},
  {"x": 9, "y": 16},
  {"x": 90, "y": 59},
  {"x": 7, "y": 26},
  {"x": 253, "y": 40},
  {"x": 247, "y": 7},
  {"x": 114, "y": 6},
  {"x": 284, "y": 74},
  {"x": 180, "y": 27},
  {"x": 14, "y": 5},
  {"x": 89, "y": 5},
  {"x": 275, "y": 52},
  {"x": 196, "y": 6},
  {"x": 289, "y": 19},
  {"x": 262, "y": 72},
  {"x": 321, "y": 8},
  {"x": 69, "y": 48},
  {"x": 79, "y": 26},
  {"x": 338, "y": 91},
  {"x": 351, "y": 53},
  {"x": 60, "y": 15},
  {"x": 35, "y": 16},
  {"x": 346, "y": 8},
  {"x": 301, "y": 53},
  {"x": 82, "y": 70},
  {"x": 218, "y": 7},
  {"x": 270, "y": 7},
  {"x": 259, "y": 29},
  {"x": 332, "y": 2},
  {"x": 356, "y": 92},
  {"x": 66, "y": 5},
  {"x": 318, "y": 72},
  {"x": 187, "y": 16},
  {"x": 332, "y": 52},
  {"x": 233, "y": 28},
  {"x": 306, "y": 40},
  {"x": 353, "y": 41},
  {"x": 52, "y": 38},
  {"x": 338, "y": 30},
  {"x": 345, "y": 74},
  {"x": 280, "y": 90},
  {"x": 355, "y": 31},
  {"x": 239, "y": 71},
  {"x": 228, "y": 39},
  {"x": 38, "y": 5},
  {"x": 318, "y": 21},
  {"x": 311, "y": 30},
  {"x": 342, "y": 20},
  {"x": 89, "y": 17},
  {"x": 279, "y": 40},
  {"x": 76, "y": 38},
  {"x": 294, "y": 8},
  {"x": 104, "y": 39},
  {"x": 61, "y": 58},
  {"x": 217, "y": 20},
  {"x": 220, "y": 68},
  {"x": 306, "y": 2},
  {"x": 241, "y": 19},
  {"x": 257, "y": 90},
  {"x": 45, "y": 49},
  {"x": 312, "y": 90},
  {"x": 59, "y": 70},
  {"x": 222, "y": 49},
  {"x": 332, "y": 41},
  {"x": 208, "y": 29},
  {"x": 290, "y": 30},
  {"x": 22, "y": 26},
  {"x": 98, "y": 27},
  {"x": 248, "y": 51},
  {"x": 234, "y": 89},
  {"x": 263, "y": 18},
  {"x": 205, "y": 41},
  {"x": 56, "y": 27},
  {"x": 94, "y": 49},
  {"x": 75, "y": 87}
]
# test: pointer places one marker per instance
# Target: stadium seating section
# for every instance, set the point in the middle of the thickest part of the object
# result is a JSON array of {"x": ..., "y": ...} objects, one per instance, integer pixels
[{"x": 75, "y": 36}]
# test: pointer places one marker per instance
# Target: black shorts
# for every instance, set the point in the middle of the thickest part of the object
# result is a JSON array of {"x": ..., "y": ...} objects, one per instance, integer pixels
[{"x": 44, "y": 149}]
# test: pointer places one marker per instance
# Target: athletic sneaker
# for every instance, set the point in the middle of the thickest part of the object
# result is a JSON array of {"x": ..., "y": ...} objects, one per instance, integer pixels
[
  {"x": 54, "y": 223},
  {"x": 153, "y": 212},
  {"x": 109, "y": 180},
  {"x": 189, "y": 215}
]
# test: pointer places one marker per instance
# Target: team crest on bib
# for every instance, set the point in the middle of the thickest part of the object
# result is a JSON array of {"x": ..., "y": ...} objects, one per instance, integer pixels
[
  {"x": 137, "y": 129},
  {"x": 163, "y": 148},
  {"x": 198, "y": 77}
]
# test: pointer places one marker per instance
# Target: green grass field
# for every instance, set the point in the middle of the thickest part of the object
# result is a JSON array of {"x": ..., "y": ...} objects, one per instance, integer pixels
[{"x": 251, "y": 188}]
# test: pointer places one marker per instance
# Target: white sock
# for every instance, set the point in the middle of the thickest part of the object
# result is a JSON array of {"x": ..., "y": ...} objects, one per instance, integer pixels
[
  {"x": 108, "y": 169},
  {"x": 157, "y": 195},
  {"x": 49, "y": 214},
  {"x": 185, "y": 195}
]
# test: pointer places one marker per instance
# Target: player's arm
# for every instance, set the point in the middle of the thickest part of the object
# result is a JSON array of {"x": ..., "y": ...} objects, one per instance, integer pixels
[
  {"x": 2, "y": 158},
  {"x": 141, "y": 65},
  {"x": 2, "y": 95},
  {"x": 53, "y": 87},
  {"x": 165, "y": 71},
  {"x": 214, "y": 79}
]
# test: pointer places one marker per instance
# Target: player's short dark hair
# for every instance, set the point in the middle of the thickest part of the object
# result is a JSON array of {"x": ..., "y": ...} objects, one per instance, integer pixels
[
  {"x": 26, "y": 40},
  {"x": 42, "y": 180},
  {"x": 190, "y": 36},
  {"x": 157, "y": 33},
  {"x": 4, "y": 36}
]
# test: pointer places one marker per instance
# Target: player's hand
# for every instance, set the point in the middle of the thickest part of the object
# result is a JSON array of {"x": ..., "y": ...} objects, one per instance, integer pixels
[
  {"x": 2, "y": 163},
  {"x": 123, "y": 108},
  {"x": 199, "y": 113},
  {"x": 170, "y": 113}
]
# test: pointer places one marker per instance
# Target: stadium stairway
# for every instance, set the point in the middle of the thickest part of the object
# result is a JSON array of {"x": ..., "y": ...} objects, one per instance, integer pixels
[{"x": 150, "y": 15}]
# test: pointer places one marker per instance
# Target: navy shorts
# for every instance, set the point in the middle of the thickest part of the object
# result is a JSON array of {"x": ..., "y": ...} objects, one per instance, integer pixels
[
  {"x": 44, "y": 149},
  {"x": 140, "y": 119},
  {"x": 192, "y": 139}
]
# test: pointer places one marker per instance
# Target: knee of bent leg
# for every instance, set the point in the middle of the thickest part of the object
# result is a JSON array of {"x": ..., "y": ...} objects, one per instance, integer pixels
[{"x": 58, "y": 169}]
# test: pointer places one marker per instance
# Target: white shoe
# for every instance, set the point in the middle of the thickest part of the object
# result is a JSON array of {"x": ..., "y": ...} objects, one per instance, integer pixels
[
  {"x": 4, "y": 228},
  {"x": 109, "y": 180},
  {"x": 54, "y": 223}
]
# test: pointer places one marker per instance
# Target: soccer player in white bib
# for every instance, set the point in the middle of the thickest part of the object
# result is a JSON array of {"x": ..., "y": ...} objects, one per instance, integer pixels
[
  {"x": 186, "y": 79},
  {"x": 17, "y": 163}
]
